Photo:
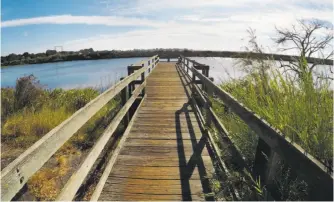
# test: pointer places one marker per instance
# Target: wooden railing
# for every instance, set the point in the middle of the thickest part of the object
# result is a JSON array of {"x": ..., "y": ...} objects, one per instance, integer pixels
[
  {"x": 272, "y": 144},
  {"x": 17, "y": 173}
]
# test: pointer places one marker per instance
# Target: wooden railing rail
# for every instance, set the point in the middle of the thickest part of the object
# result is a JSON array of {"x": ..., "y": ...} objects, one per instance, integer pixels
[
  {"x": 17, "y": 173},
  {"x": 271, "y": 141},
  {"x": 200, "y": 101}
]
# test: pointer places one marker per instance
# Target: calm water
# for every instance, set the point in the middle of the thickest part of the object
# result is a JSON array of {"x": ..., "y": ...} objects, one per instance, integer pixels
[
  {"x": 74, "y": 74},
  {"x": 103, "y": 73}
]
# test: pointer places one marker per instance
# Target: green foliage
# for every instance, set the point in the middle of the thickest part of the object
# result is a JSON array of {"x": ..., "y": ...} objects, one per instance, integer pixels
[
  {"x": 73, "y": 99},
  {"x": 300, "y": 111},
  {"x": 27, "y": 92},
  {"x": 7, "y": 102},
  {"x": 30, "y": 123},
  {"x": 290, "y": 189}
]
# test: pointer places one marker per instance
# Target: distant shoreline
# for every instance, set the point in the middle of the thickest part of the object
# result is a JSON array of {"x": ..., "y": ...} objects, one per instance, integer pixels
[
  {"x": 8, "y": 66},
  {"x": 52, "y": 56}
]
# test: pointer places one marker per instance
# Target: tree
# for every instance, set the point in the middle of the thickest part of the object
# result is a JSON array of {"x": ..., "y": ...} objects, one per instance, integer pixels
[
  {"x": 50, "y": 52},
  {"x": 308, "y": 38},
  {"x": 26, "y": 54},
  {"x": 12, "y": 57}
]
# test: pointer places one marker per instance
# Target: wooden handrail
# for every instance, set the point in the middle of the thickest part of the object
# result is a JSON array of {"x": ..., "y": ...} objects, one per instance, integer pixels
[
  {"x": 312, "y": 170},
  {"x": 74, "y": 183},
  {"x": 17, "y": 173},
  {"x": 96, "y": 194}
]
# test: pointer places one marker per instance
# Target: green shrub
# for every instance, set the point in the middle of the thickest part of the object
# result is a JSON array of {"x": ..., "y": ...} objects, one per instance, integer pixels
[
  {"x": 7, "y": 103},
  {"x": 28, "y": 93}
]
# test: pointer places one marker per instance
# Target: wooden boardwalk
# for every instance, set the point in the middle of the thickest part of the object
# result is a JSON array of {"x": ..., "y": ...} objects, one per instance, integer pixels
[
  {"x": 165, "y": 156},
  {"x": 163, "y": 153}
]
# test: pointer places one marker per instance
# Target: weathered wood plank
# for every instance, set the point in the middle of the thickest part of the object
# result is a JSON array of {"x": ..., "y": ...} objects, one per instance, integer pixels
[
  {"x": 156, "y": 173},
  {"x": 157, "y": 161},
  {"x": 166, "y": 136},
  {"x": 177, "y": 151},
  {"x": 116, "y": 196}
]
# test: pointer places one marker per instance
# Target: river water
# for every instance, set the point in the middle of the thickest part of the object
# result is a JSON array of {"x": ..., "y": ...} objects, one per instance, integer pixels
[
  {"x": 73, "y": 74},
  {"x": 103, "y": 73}
]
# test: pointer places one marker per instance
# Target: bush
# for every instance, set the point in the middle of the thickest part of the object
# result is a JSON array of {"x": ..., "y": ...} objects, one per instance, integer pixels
[
  {"x": 7, "y": 103},
  {"x": 27, "y": 92}
]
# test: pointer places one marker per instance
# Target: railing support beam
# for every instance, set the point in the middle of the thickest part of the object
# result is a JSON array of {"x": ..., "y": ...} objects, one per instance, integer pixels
[{"x": 124, "y": 99}]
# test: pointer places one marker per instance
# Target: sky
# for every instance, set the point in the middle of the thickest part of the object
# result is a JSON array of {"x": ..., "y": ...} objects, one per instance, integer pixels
[{"x": 37, "y": 25}]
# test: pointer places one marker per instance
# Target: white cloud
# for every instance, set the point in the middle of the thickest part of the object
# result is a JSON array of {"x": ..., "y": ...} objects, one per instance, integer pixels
[
  {"x": 90, "y": 20},
  {"x": 202, "y": 24}
]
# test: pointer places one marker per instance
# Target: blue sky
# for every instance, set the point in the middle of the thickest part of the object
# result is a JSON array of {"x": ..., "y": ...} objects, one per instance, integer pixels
[{"x": 36, "y": 25}]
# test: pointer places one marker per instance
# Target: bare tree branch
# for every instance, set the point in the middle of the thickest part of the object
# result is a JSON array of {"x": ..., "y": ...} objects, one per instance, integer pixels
[{"x": 304, "y": 39}]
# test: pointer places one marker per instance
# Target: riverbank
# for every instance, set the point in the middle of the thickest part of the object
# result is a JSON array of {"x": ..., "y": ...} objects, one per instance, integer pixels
[{"x": 52, "y": 56}]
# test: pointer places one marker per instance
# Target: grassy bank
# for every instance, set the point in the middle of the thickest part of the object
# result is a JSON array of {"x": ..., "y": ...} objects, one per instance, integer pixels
[
  {"x": 301, "y": 109},
  {"x": 28, "y": 112}
]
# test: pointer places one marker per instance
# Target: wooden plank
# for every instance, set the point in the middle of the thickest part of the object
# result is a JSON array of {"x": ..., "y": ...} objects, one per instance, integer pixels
[
  {"x": 148, "y": 114},
  {"x": 152, "y": 129},
  {"x": 164, "y": 119},
  {"x": 157, "y": 189},
  {"x": 116, "y": 196},
  {"x": 166, "y": 143},
  {"x": 17, "y": 173},
  {"x": 167, "y": 111},
  {"x": 157, "y": 161},
  {"x": 159, "y": 150},
  {"x": 165, "y": 136},
  {"x": 160, "y": 173},
  {"x": 171, "y": 124}
]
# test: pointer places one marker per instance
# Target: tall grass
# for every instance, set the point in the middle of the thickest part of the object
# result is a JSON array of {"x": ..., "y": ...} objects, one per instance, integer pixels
[{"x": 300, "y": 111}]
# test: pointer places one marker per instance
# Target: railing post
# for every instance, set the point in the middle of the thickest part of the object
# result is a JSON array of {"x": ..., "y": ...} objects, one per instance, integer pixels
[
  {"x": 187, "y": 66},
  {"x": 124, "y": 99},
  {"x": 143, "y": 79},
  {"x": 193, "y": 78},
  {"x": 209, "y": 92},
  {"x": 266, "y": 164},
  {"x": 149, "y": 68},
  {"x": 131, "y": 85}
]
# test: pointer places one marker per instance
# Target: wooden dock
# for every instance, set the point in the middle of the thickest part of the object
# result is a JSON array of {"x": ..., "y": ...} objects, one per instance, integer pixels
[
  {"x": 169, "y": 145},
  {"x": 165, "y": 155}
]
